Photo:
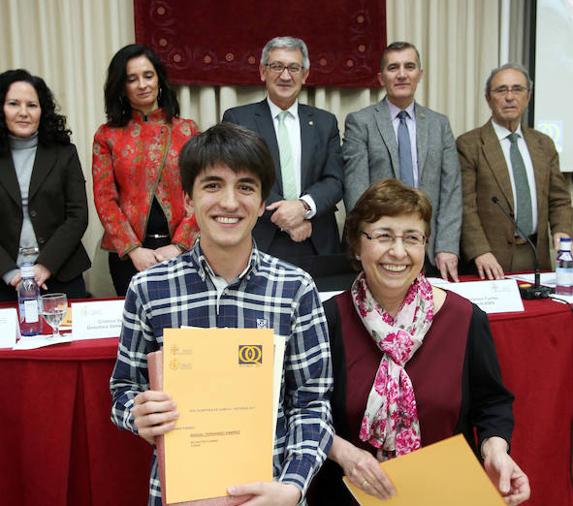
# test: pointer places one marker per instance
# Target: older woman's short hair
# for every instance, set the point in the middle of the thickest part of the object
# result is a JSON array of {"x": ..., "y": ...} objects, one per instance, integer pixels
[{"x": 385, "y": 198}]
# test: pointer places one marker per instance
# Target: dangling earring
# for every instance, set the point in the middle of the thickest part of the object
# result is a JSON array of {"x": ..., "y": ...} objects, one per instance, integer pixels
[
  {"x": 159, "y": 93},
  {"x": 357, "y": 257}
]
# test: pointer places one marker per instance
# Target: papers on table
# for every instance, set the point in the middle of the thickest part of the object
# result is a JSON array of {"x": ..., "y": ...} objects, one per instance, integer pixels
[
  {"x": 33, "y": 342},
  {"x": 443, "y": 474},
  {"x": 97, "y": 319},
  {"x": 222, "y": 382},
  {"x": 560, "y": 298},
  {"x": 9, "y": 327},
  {"x": 546, "y": 278},
  {"x": 497, "y": 296}
]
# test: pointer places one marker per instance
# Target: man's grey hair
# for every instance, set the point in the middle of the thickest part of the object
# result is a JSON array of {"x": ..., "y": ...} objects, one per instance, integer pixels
[
  {"x": 286, "y": 43},
  {"x": 507, "y": 66}
]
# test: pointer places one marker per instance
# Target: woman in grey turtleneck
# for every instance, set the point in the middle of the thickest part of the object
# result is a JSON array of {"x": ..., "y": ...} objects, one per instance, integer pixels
[{"x": 42, "y": 190}]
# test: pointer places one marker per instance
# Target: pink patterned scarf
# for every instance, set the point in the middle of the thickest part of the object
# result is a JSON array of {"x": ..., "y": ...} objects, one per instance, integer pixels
[{"x": 390, "y": 420}]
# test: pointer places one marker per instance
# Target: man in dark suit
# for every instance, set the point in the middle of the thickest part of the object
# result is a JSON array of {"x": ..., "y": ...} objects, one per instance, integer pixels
[
  {"x": 299, "y": 219},
  {"x": 398, "y": 138},
  {"x": 520, "y": 168}
]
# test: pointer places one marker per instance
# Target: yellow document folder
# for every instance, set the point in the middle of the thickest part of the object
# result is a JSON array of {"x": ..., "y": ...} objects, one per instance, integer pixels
[
  {"x": 222, "y": 382},
  {"x": 446, "y": 473}
]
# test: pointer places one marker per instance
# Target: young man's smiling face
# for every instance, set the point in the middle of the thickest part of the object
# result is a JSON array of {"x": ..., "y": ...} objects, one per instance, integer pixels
[{"x": 226, "y": 205}]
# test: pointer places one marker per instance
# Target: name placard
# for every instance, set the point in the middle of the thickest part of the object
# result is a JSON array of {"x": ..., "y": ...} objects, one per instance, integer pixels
[
  {"x": 496, "y": 296},
  {"x": 97, "y": 319},
  {"x": 9, "y": 328}
]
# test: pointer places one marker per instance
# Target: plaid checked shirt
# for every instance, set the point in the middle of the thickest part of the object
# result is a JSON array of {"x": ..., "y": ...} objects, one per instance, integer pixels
[{"x": 268, "y": 293}]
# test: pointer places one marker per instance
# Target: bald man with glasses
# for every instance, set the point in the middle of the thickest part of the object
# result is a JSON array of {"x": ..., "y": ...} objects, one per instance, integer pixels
[{"x": 299, "y": 220}]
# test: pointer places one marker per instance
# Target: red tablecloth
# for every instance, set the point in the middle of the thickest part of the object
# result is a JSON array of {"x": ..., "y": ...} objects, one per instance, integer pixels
[
  {"x": 58, "y": 446},
  {"x": 535, "y": 350},
  {"x": 57, "y": 443}
]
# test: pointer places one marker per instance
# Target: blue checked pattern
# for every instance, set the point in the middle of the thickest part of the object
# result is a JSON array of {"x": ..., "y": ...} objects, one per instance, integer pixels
[{"x": 180, "y": 292}]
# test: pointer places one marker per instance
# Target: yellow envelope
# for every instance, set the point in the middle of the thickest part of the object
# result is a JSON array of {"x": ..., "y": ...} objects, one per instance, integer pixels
[
  {"x": 446, "y": 473},
  {"x": 222, "y": 382}
]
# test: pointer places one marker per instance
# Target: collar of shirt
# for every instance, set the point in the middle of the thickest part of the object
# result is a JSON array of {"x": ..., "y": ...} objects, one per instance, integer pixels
[
  {"x": 394, "y": 111},
  {"x": 199, "y": 260},
  {"x": 503, "y": 132},
  {"x": 276, "y": 110}
]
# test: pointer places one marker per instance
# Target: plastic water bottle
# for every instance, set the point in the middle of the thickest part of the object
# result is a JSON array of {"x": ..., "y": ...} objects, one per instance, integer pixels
[
  {"x": 29, "y": 303},
  {"x": 564, "y": 268}
]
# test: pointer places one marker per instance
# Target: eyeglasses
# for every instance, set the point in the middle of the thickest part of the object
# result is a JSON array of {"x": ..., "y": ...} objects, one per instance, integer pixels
[
  {"x": 515, "y": 90},
  {"x": 279, "y": 68},
  {"x": 409, "y": 240}
]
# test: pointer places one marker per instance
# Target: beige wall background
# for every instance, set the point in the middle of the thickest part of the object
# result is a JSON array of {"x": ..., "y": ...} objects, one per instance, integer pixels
[{"x": 70, "y": 42}]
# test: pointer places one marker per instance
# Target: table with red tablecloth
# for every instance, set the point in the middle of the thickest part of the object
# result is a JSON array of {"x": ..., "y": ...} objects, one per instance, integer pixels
[
  {"x": 58, "y": 446},
  {"x": 535, "y": 350}
]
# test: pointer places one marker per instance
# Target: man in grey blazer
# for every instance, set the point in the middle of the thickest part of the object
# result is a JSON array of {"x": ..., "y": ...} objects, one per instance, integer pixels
[
  {"x": 371, "y": 152},
  {"x": 299, "y": 220}
]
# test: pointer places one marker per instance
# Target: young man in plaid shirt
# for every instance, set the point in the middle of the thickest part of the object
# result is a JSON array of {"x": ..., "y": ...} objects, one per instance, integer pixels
[{"x": 224, "y": 281}]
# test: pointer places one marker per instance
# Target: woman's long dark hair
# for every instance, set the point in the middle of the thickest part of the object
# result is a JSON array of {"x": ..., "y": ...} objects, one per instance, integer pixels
[
  {"x": 117, "y": 106},
  {"x": 52, "y": 128}
]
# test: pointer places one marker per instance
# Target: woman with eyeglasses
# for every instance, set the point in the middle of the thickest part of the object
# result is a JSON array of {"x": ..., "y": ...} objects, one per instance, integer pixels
[
  {"x": 42, "y": 190},
  {"x": 136, "y": 180},
  {"x": 413, "y": 364}
]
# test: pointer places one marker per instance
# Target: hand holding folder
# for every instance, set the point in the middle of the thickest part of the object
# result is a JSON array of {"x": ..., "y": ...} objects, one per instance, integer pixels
[{"x": 222, "y": 381}]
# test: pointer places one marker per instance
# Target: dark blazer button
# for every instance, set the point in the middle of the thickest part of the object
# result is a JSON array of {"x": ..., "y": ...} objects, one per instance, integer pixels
[
  {"x": 33, "y": 213},
  {"x": 41, "y": 240}
]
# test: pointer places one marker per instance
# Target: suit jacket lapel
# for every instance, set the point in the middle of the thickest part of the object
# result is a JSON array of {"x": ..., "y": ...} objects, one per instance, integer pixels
[
  {"x": 538, "y": 161},
  {"x": 266, "y": 129},
  {"x": 384, "y": 123},
  {"x": 45, "y": 160},
  {"x": 308, "y": 144},
  {"x": 421, "y": 138},
  {"x": 8, "y": 178},
  {"x": 493, "y": 153}
]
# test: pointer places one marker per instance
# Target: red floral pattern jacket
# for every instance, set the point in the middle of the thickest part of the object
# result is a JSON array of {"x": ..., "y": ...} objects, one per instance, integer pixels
[{"x": 130, "y": 166}]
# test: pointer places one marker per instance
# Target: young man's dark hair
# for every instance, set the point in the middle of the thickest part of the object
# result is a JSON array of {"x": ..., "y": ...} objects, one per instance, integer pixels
[{"x": 231, "y": 145}]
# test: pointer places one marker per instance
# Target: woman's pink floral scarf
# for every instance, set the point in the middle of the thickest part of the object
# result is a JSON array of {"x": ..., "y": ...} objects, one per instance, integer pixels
[{"x": 390, "y": 421}]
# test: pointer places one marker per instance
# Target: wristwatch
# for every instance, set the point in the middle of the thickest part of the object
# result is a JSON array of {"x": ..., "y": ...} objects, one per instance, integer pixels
[{"x": 307, "y": 209}]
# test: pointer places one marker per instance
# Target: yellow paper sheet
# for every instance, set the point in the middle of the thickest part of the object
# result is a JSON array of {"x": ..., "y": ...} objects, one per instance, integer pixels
[
  {"x": 446, "y": 473},
  {"x": 222, "y": 381}
]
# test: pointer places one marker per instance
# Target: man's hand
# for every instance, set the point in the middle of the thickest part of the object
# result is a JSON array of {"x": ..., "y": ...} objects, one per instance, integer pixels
[
  {"x": 271, "y": 493},
  {"x": 287, "y": 214},
  {"x": 557, "y": 238},
  {"x": 488, "y": 266},
  {"x": 155, "y": 414},
  {"x": 41, "y": 274},
  {"x": 447, "y": 263},
  {"x": 166, "y": 252},
  {"x": 302, "y": 232},
  {"x": 362, "y": 469},
  {"x": 504, "y": 473},
  {"x": 142, "y": 258}
]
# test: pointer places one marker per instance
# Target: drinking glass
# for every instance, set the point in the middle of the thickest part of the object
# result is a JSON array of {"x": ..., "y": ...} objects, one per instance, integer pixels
[{"x": 54, "y": 307}]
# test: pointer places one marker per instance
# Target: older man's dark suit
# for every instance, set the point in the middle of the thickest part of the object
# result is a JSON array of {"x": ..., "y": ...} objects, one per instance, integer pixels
[
  {"x": 485, "y": 175},
  {"x": 321, "y": 172},
  {"x": 58, "y": 210}
]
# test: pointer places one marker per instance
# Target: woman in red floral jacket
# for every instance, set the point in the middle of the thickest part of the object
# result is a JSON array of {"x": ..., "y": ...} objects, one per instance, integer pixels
[{"x": 136, "y": 180}]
